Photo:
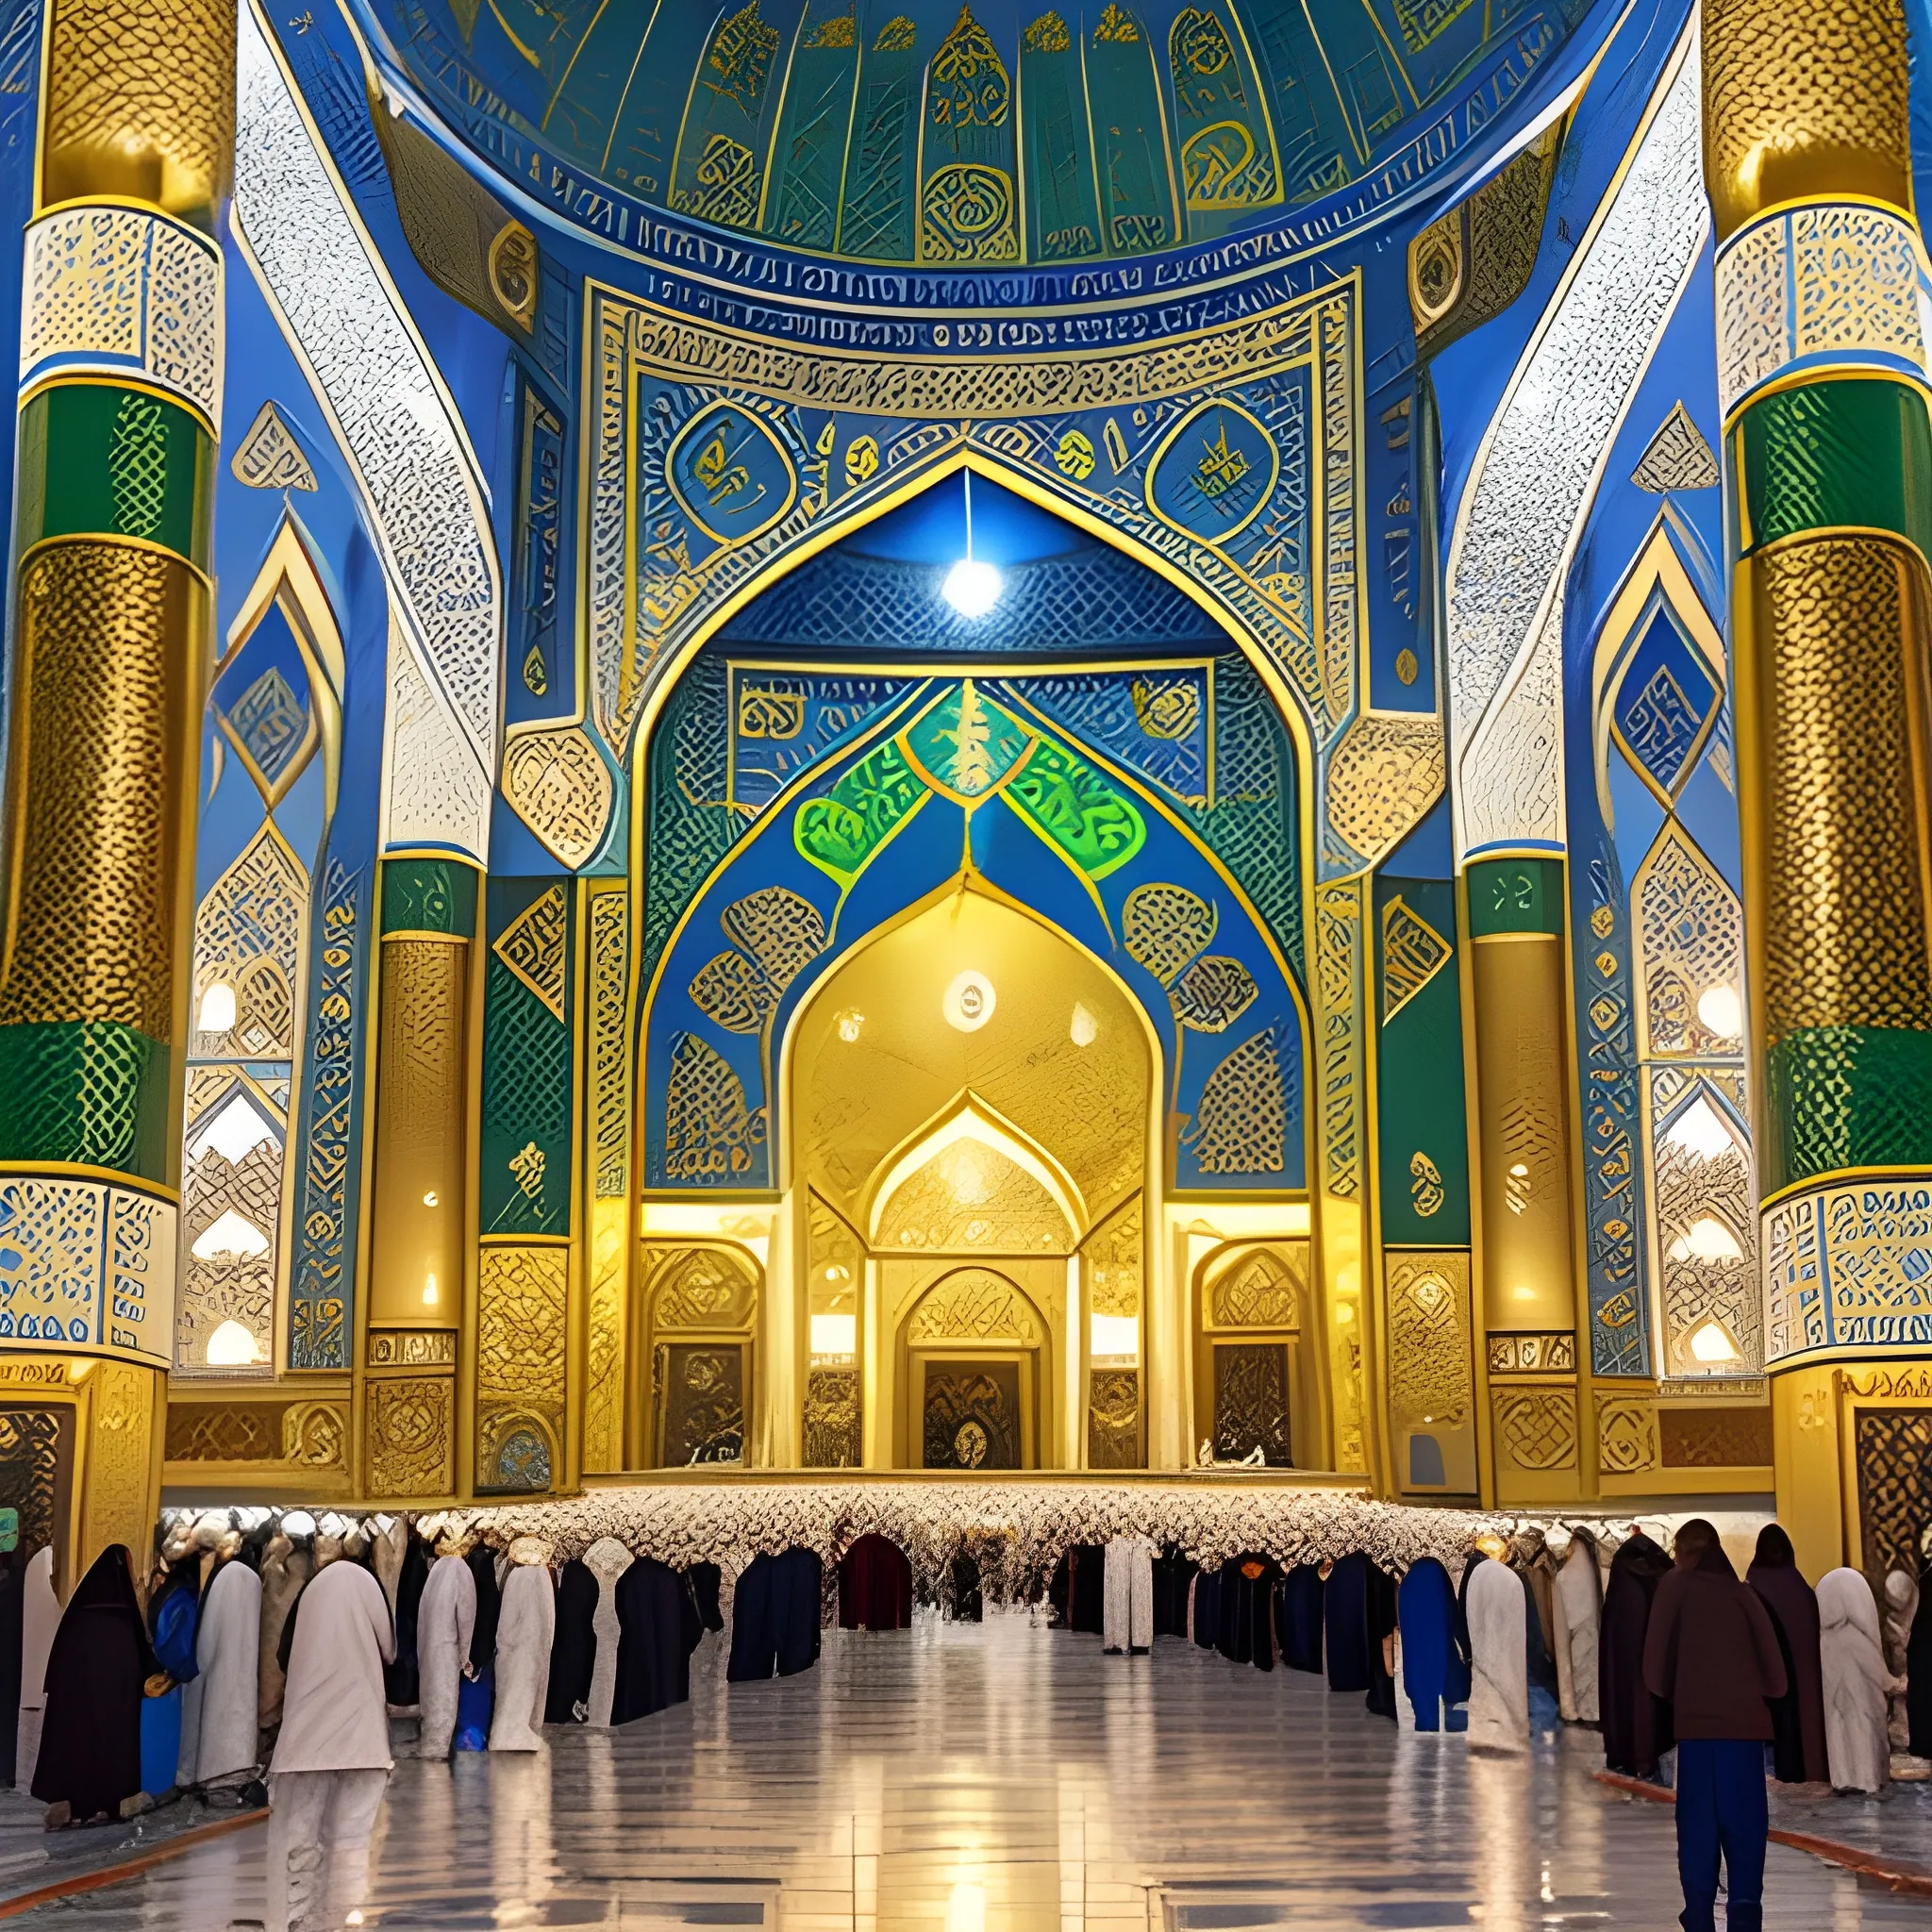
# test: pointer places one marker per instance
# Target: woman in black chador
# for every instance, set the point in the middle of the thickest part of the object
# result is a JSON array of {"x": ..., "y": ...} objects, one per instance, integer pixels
[
  {"x": 1637, "y": 1727},
  {"x": 89, "y": 1761}
]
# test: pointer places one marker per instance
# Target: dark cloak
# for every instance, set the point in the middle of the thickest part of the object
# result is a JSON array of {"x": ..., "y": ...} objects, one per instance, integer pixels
[
  {"x": 1172, "y": 1572},
  {"x": 1207, "y": 1608},
  {"x": 1541, "y": 1665},
  {"x": 775, "y": 1617},
  {"x": 482, "y": 1562},
  {"x": 402, "y": 1684},
  {"x": 968, "y": 1607},
  {"x": 1637, "y": 1727},
  {"x": 707, "y": 1580},
  {"x": 1433, "y": 1673},
  {"x": 1087, "y": 1606},
  {"x": 1246, "y": 1634},
  {"x": 1381, "y": 1614},
  {"x": 1298, "y": 1618},
  {"x": 1345, "y": 1624},
  {"x": 12, "y": 1566},
  {"x": 658, "y": 1627},
  {"x": 100, "y": 1660},
  {"x": 797, "y": 1596},
  {"x": 1917, "y": 1665},
  {"x": 875, "y": 1586},
  {"x": 573, "y": 1646},
  {"x": 1797, "y": 1718}
]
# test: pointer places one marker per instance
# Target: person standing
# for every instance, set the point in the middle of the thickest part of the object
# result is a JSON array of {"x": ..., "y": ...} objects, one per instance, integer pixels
[
  {"x": 1710, "y": 1650},
  {"x": 332, "y": 1757}
]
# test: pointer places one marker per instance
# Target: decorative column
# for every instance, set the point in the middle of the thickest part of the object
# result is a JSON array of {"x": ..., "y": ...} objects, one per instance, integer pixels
[
  {"x": 419, "y": 1228},
  {"x": 1527, "y": 1298},
  {"x": 121, "y": 360},
  {"x": 1828, "y": 468}
]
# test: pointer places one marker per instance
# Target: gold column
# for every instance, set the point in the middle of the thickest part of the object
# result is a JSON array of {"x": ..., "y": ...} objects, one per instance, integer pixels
[
  {"x": 1822, "y": 378},
  {"x": 1527, "y": 1287},
  {"x": 418, "y": 1217},
  {"x": 119, "y": 399}
]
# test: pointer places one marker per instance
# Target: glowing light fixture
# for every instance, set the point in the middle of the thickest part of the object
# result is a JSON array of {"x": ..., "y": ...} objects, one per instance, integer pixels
[
  {"x": 972, "y": 586},
  {"x": 835, "y": 1335},
  {"x": 850, "y": 1025},
  {"x": 217, "y": 1008},
  {"x": 1085, "y": 1028},
  {"x": 1711, "y": 1344},
  {"x": 229, "y": 1234},
  {"x": 234, "y": 1131},
  {"x": 1697, "y": 1130},
  {"x": 1707, "y": 1239},
  {"x": 1719, "y": 1009},
  {"x": 966, "y": 1908},
  {"x": 231, "y": 1347},
  {"x": 968, "y": 1003},
  {"x": 429, "y": 1199},
  {"x": 429, "y": 1291},
  {"x": 1113, "y": 1335}
]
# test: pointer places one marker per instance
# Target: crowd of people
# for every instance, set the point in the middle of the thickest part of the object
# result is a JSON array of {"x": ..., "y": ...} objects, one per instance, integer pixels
[{"x": 267, "y": 1667}]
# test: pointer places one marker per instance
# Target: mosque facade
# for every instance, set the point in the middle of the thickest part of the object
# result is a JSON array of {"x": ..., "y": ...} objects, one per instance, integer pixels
[{"x": 839, "y": 735}]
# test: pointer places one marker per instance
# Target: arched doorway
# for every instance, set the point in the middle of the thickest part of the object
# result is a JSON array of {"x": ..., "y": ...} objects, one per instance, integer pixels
[
  {"x": 700, "y": 1307},
  {"x": 970, "y": 1102},
  {"x": 1254, "y": 1386}
]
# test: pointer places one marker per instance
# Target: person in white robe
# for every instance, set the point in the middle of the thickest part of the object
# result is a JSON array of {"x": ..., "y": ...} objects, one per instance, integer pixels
[
  {"x": 332, "y": 1760},
  {"x": 606, "y": 1559},
  {"x": 1579, "y": 1592},
  {"x": 445, "y": 1620},
  {"x": 1901, "y": 1606},
  {"x": 525, "y": 1627},
  {"x": 220, "y": 1708},
  {"x": 40, "y": 1617},
  {"x": 1856, "y": 1684},
  {"x": 1499, "y": 1669},
  {"x": 1127, "y": 1617}
]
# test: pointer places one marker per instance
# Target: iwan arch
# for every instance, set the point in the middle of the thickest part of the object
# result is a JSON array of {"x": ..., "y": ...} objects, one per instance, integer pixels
[{"x": 542, "y": 945}]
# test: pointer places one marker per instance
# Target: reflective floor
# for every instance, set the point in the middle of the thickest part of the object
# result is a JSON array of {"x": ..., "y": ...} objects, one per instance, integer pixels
[{"x": 987, "y": 1778}]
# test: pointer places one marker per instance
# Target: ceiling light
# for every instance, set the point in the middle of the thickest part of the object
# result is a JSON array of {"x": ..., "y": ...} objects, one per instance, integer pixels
[
  {"x": 1085, "y": 1028},
  {"x": 968, "y": 1003},
  {"x": 1707, "y": 1239},
  {"x": 234, "y": 1130},
  {"x": 1711, "y": 1344},
  {"x": 1719, "y": 1009},
  {"x": 231, "y": 1347},
  {"x": 1697, "y": 1130},
  {"x": 229, "y": 1234},
  {"x": 972, "y": 586}
]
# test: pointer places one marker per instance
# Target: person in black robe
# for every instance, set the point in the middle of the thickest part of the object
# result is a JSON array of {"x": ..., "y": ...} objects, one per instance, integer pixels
[
  {"x": 1207, "y": 1608},
  {"x": 1174, "y": 1570},
  {"x": 573, "y": 1646},
  {"x": 1637, "y": 1727},
  {"x": 1345, "y": 1624},
  {"x": 401, "y": 1683},
  {"x": 875, "y": 1586},
  {"x": 706, "y": 1581},
  {"x": 1919, "y": 1660},
  {"x": 1087, "y": 1606},
  {"x": 1298, "y": 1618},
  {"x": 754, "y": 1646},
  {"x": 968, "y": 1606},
  {"x": 1797, "y": 1719},
  {"x": 89, "y": 1761},
  {"x": 1379, "y": 1609},
  {"x": 658, "y": 1627},
  {"x": 1247, "y": 1618},
  {"x": 797, "y": 1595},
  {"x": 12, "y": 1606}
]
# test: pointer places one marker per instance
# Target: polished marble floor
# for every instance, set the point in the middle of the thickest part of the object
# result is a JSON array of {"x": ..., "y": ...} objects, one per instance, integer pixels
[{"x": 1003, "y": 1778}]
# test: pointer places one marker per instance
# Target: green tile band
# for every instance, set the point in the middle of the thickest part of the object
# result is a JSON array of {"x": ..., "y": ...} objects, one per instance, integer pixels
[
  {"x": 1839, "y": 1097},
  {"x": 1846, "y": 454},
  {"x": 1515, "y": 896},
  {"x": 429, "y": 895},
  {"x": 94, "y": 1091},
  {"x": 100, "y": 460}
]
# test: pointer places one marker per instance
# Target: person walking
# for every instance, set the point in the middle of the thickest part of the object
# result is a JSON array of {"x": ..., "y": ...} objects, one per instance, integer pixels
[{"x": 1711, "y": 1651}]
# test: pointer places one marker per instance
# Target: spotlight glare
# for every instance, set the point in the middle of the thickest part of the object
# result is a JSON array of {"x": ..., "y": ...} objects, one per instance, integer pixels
[{"x": 973, "y": 587}]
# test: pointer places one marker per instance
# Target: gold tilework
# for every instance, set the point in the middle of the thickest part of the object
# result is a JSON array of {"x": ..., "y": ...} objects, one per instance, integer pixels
[
  {"x": 1833, "y": 695},
  {"x": 108, "y": 639},
  {"x": 141, "y": 103},
  {"x": 1804, "y": 101},
  {"x": 408, "y": 1436}
]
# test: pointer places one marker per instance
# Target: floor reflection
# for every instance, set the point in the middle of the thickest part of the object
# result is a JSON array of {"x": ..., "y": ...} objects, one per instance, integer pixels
[{"x": 1003, "y": 1778}]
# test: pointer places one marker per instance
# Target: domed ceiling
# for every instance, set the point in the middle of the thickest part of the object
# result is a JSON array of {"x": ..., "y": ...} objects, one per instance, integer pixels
[{"x": 984, "y": 135}]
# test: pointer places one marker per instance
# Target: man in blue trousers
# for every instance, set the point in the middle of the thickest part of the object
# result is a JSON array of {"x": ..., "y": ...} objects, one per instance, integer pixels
[{"x": 1711, "y": 1651}]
